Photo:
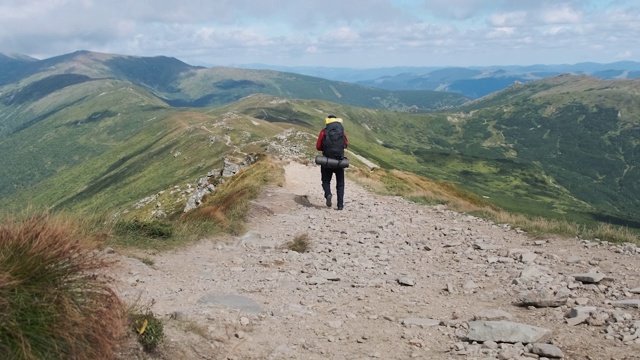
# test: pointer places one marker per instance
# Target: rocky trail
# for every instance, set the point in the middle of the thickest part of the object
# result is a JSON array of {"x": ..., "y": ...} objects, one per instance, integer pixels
[{"x": 385, "y": 279}]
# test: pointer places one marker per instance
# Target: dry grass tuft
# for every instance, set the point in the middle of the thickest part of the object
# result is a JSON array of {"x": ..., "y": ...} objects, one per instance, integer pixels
[
  {"x": 54, "y": 303},
  {"x": 229, "y": 205},
  {"x": 299, "y": 244}
]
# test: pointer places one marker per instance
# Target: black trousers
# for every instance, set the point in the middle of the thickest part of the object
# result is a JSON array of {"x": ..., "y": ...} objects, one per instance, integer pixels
[{"x": 327, "y": 174}]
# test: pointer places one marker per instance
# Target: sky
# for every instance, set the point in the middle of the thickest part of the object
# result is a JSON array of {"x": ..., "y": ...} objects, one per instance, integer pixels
[{"x": 329, "y": 33}]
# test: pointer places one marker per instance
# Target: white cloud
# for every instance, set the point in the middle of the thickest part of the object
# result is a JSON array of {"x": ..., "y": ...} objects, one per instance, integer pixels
[
  {"x": 341, "y": 36},
  {"x": 560, "y": 15},
  {"x": 624, "y": 55},
  {"x": 501, "y": 32},
  {"x": 555, "y": 30},
  {"x": 460, "y": 9},
  {"x": 417, "y": 31},
  {"x": 513, "y": 18}
]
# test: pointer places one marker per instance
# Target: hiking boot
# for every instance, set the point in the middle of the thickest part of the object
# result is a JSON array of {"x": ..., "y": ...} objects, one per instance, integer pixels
[
  {"x": 339, "y": 207},
  {"x": 328, "y": 197}
]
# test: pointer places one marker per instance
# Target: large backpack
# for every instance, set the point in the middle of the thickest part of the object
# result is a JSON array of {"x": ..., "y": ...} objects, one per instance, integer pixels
[{"x": 333, "y": 142}]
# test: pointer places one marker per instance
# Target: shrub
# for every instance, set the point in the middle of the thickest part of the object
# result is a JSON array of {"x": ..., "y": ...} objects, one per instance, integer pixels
[
  {"x": 54, "y": 303},
  {"x": 148, "y": 329}
]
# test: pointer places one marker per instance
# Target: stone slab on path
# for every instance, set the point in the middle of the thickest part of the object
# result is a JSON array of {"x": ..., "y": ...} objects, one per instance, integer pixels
[
  {"x": 506, "y": 332},
  {"x": 631, "y": 303},
  {"x": 589, "y": 278}
]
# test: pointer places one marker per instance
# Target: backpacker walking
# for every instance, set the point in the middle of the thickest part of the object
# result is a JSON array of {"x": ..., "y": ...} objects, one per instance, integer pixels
[{"x": 332, "y": 141}]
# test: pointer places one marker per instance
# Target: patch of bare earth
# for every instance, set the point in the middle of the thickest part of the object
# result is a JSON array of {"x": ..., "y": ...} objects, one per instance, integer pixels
[{"x": 384, "y": 278}]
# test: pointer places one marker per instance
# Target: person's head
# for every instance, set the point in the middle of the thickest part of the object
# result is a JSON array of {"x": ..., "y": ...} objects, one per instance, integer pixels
[{"x": 332, "y": 118}]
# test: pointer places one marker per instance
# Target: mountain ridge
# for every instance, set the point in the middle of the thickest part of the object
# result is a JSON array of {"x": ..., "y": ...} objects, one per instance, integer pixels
[
  {"x": 184, "y": 85},
  {"x": 471, "y": 81},
  {"x": 561, "y": 147}
]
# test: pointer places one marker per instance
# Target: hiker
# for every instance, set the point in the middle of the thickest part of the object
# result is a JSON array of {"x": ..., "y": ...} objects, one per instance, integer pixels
[{"x": 332, "y": 141}]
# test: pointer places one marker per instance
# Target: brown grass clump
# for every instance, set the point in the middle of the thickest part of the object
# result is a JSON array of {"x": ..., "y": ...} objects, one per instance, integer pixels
[
  {"x": 420, "y": 189},
  {"x": 299, "y": 244},
  {"x": 229, "y": 205},
  {"x": 54, "y": 304}
]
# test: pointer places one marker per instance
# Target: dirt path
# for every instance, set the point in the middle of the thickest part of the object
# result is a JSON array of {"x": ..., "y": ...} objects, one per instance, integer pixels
[{"x": 384, "y": 278}]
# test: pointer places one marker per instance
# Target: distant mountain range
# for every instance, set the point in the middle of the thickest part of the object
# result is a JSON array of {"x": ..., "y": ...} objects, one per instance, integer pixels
[
  {"x": 180, "y": 84},
  {"x": 98, "y": 132},
  {"x": 473, "y": 82}
]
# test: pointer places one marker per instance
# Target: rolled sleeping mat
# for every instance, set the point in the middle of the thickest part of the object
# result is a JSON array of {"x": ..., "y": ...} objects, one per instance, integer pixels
[{"x": 332, "y": 163}]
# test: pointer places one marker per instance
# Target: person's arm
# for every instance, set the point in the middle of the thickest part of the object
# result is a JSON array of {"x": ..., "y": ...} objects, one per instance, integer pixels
[
  {"x": 319, "y": 142},
  {"x": 346, "y": 141}
]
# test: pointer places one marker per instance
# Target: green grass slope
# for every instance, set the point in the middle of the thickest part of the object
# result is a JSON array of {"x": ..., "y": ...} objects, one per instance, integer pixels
[
  {"x": 81, "y": 138},
  {"x": 60, "y": 129},
  {"x": 119, "y": 144},
  {"x": 131, "y": 158},
  {"x": 566, "y": 135}
]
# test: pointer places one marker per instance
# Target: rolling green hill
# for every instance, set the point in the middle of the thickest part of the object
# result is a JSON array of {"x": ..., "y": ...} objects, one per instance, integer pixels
[
  {"x": 565, "y": 147},
  {"x": 97, "y": 132},
  {"x": 61, "y": 112}
]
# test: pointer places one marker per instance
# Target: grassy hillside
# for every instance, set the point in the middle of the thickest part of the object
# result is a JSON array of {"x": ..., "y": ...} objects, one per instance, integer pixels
[
  {"x": 569, "y": 135},
  {"x": 82, "y": 138},
  {"x": 62, "y": 128}
]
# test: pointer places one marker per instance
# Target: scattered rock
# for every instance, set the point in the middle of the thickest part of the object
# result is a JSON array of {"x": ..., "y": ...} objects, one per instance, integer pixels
[
  {"x": 343, "y": 298},
  {"x": 541, "y": 299},
  {"x": 420, "y": 322},
  {"x": 406, "y": 281},
  {"x": 531, "y": 272},
  {"x": 578, "y": 319},
  {"x": 470, "y": 285},
  {"x": 505, "y": 331},
  {"x": 316, "y": 280},
  {"x": 486, "y": 246},
  {"x": 547, "y": 350},
  {"x": 335, "y": 324},
  {"x": 589, "y": 278},
  {"x": 528, "y": 257},
  {"x": 581, "y": 310},
  {"x": 492, "y": 314},
  {"x": 631, "y": 303}
]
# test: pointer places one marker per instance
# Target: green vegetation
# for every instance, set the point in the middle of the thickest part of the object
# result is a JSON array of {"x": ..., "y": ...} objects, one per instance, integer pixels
[
  {"x": 97, "y": 140},
  {"x": 148, "y": 329},
  {"x": 225, "y": 210},
  {"x": 422, "y": 190},
  {"x": 558, "y": 156},
  {"x": 136, "y": 228},
  {"x": 563, "y": 148},
  {"x": 53, "y": 304},
  {"x": 233, "y": 84}
]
